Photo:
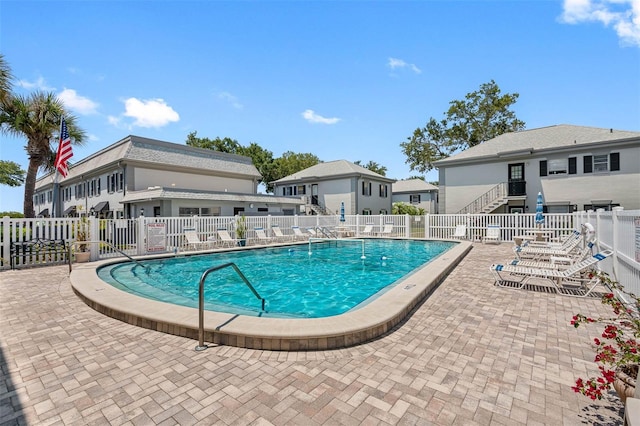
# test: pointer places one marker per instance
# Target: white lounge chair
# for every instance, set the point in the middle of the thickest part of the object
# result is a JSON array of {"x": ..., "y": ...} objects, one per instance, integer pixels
[
  {"x": 277, "y": 232},
  {"x": 574, "y": 277},
  {"x": 493, "y": 234},
  {"x": 460, "y": 232},
  {"x": 298, "y": 234},
  {"x": 387, "y": 230},
  {"x": 225, "y": 238},
  {"x": 541, "y": 252},
  {"x": 557, "y": 262},
  {"x": 193, "y": 241},
  {"x": 262, "y": 236},
  {"x": 367, "y": 230}
]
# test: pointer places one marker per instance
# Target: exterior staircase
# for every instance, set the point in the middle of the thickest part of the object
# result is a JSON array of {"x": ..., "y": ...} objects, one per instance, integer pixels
[
  {"x": 318, "y": 209},
  {"x": 489, "y": 201}
]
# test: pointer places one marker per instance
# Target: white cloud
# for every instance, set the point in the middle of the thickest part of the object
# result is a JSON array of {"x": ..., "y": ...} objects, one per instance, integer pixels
[
  {"x": 228, "y": 97},
  {"x": 39, "y": 84},
  {"x": 149, "y": 113},
  {"x": 78, "y": 103},
  {"x": 399, "y": 63},
  {"x": 622, "y": 15},
  {"x": 312, "y": 117}
]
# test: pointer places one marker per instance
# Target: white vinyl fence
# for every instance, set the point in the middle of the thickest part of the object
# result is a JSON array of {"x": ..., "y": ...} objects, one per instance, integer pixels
[{"x": 618, "y": 230}]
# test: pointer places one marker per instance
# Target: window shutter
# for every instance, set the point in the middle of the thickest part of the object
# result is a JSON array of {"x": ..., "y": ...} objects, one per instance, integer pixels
[
  {"x": 614, "y": 161},
  {"x": 573, "y": 166},
  {"x": 543, "y": 167},
  {"x": 588, "y": 163}
]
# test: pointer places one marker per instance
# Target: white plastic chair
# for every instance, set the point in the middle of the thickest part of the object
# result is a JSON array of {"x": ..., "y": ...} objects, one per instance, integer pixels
[
  {"x": 225, "y": 238},
  {"x": 493, "y": 234},
  {"x": 460, "y": 232}
]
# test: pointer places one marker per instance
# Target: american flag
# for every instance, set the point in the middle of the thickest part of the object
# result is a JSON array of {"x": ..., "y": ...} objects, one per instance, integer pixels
[{"x": 64, "y": 150}]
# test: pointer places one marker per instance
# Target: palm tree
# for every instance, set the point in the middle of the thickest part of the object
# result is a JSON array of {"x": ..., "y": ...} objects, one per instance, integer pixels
[
  {"x": 37, "y": 117},
  {"x": 5, "y": 81}
]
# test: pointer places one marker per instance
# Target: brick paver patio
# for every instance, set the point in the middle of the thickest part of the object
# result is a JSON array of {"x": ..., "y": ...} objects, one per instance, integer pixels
[{"x": 471, "y": 354}]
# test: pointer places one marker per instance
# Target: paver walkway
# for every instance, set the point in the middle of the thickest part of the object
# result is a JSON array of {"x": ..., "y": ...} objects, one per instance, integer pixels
[{"x": 471, "y": 354}]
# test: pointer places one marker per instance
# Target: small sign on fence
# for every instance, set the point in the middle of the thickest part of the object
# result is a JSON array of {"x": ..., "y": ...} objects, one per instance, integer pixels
[{"x": 156, "y": 237}]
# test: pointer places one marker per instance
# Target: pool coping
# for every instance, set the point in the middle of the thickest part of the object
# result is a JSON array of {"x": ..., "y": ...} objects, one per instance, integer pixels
[{"x": 351, "y": 328}]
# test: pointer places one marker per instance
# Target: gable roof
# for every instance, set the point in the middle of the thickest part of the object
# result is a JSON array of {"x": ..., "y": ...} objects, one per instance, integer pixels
[
  {"x": 332, "y": 169},
  {"x": 152, "y": 152},
  {"x": 412, "y": 185},
  {"x": 558, "y": 137}
]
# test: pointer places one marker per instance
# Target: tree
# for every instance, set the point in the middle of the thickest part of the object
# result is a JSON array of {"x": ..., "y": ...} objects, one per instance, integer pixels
[
  {"x": 291, "y": 162},
  {"x": 261, "y": 158},
  {"x": 404, "y": 208},
  {"x": 10, "y": 173},
  {"x": 270, "y": 169},
  {"x": 5, "y": 81},
  {"x": 228, "y": 145},
  {"x": 482, "y": 115},
  {"x": 374, "y": 167},
  {"x": 37, "y": 118}
]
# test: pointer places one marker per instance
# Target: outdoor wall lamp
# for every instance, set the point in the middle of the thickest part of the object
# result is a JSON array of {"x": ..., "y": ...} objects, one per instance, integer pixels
[
  {"x": 142, "y": 211},
  {"x": 92, "y": 211}
]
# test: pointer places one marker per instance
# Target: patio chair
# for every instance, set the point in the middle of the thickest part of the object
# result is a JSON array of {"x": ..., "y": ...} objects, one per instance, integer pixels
[
  {"x": 298, "y": 234},
  {"x": 193, "y": 241},
  {"x": 557, "y": 262},
  {"x": 367, "y": 230},
  {"x": 541, "y": 252},
  {"x": 225, "y": 238},
  {"x": 575, "y": 277},
  {"x": 262, "y": 236},
  {"x": 312, "y": 232},
  {"x": 387, "y": 230},
  {"x": 277, "y": 232},
  {"x": 493, "y": 234},
  {"x": 460, "y": 232}
]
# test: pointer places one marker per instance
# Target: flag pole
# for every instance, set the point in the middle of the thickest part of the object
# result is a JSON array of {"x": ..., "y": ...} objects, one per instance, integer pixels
[{"x": 56, "y": 185}]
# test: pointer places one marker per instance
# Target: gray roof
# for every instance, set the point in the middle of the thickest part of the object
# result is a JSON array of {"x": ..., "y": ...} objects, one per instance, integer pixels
[
  {"x": 562, "y": 136},
  {"x": 332, "y": 169},
  {"x": 139, "y": 150},
  {"x": 162, "y": 193},
  {"x": 412, "y": 185}
]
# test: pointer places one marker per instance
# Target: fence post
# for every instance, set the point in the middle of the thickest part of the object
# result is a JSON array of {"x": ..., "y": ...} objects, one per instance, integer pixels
[
  {"x": 407, "y": 226},
  {"x": 6, "y": 242},
  {"x": 141, "y": 237},
  {"x": 94, "y": 235},
  {"x": 427, "y": 226},
  {"x": 614, "y": 241}
]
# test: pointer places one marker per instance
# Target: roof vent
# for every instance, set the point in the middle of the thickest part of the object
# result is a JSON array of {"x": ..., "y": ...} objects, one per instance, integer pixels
[{"x": 610, "y": 130}]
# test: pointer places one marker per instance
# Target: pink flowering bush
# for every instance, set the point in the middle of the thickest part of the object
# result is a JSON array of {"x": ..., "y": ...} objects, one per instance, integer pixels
[{"x": 618, "y": 347}]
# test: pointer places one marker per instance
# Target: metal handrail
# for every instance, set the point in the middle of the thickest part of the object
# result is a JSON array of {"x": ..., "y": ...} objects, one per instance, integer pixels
[
  {"x": 107, "y": 244},
  {"x": 201, "y": 346}
]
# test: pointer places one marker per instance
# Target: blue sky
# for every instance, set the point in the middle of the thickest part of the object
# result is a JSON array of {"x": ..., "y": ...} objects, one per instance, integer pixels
[{"x": 342, "y": 80}]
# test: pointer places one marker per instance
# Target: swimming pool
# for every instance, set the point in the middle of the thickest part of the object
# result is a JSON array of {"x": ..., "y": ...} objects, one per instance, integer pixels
[
  {"x": 369, "y": 321},
  {"x": 325, "y": 278}
]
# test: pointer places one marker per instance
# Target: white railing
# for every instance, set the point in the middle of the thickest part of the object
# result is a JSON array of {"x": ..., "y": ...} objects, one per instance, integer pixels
[
  {"x": 617, "y": 230},
  {"x": 495, "y": 193}
]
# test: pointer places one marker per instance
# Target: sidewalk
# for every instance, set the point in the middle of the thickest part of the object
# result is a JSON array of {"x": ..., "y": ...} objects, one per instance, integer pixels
[{"x": 472, "y": 354}]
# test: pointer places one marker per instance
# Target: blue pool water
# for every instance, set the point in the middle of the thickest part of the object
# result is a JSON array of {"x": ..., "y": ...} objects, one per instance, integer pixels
[{"x": 300, "y": 281}]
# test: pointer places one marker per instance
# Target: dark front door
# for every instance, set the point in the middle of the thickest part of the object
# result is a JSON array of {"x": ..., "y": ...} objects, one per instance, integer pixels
[
  {"x": 314, "y": 194},
  {"x": 517, "y": 184}
]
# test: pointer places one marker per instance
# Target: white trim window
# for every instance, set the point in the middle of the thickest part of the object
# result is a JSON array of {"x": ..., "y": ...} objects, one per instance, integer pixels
[{"x": 414, "y": 198}]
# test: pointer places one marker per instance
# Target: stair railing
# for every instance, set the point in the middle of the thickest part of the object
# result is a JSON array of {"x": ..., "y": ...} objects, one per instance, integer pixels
[{"x": 495, "y": 193}]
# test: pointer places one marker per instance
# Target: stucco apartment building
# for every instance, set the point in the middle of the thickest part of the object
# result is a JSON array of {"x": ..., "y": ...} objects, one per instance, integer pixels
[
  {"x": 138, "y": 175},
  {"x": 574, "y": 167},
  {"x": 325, "y": 186}
]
